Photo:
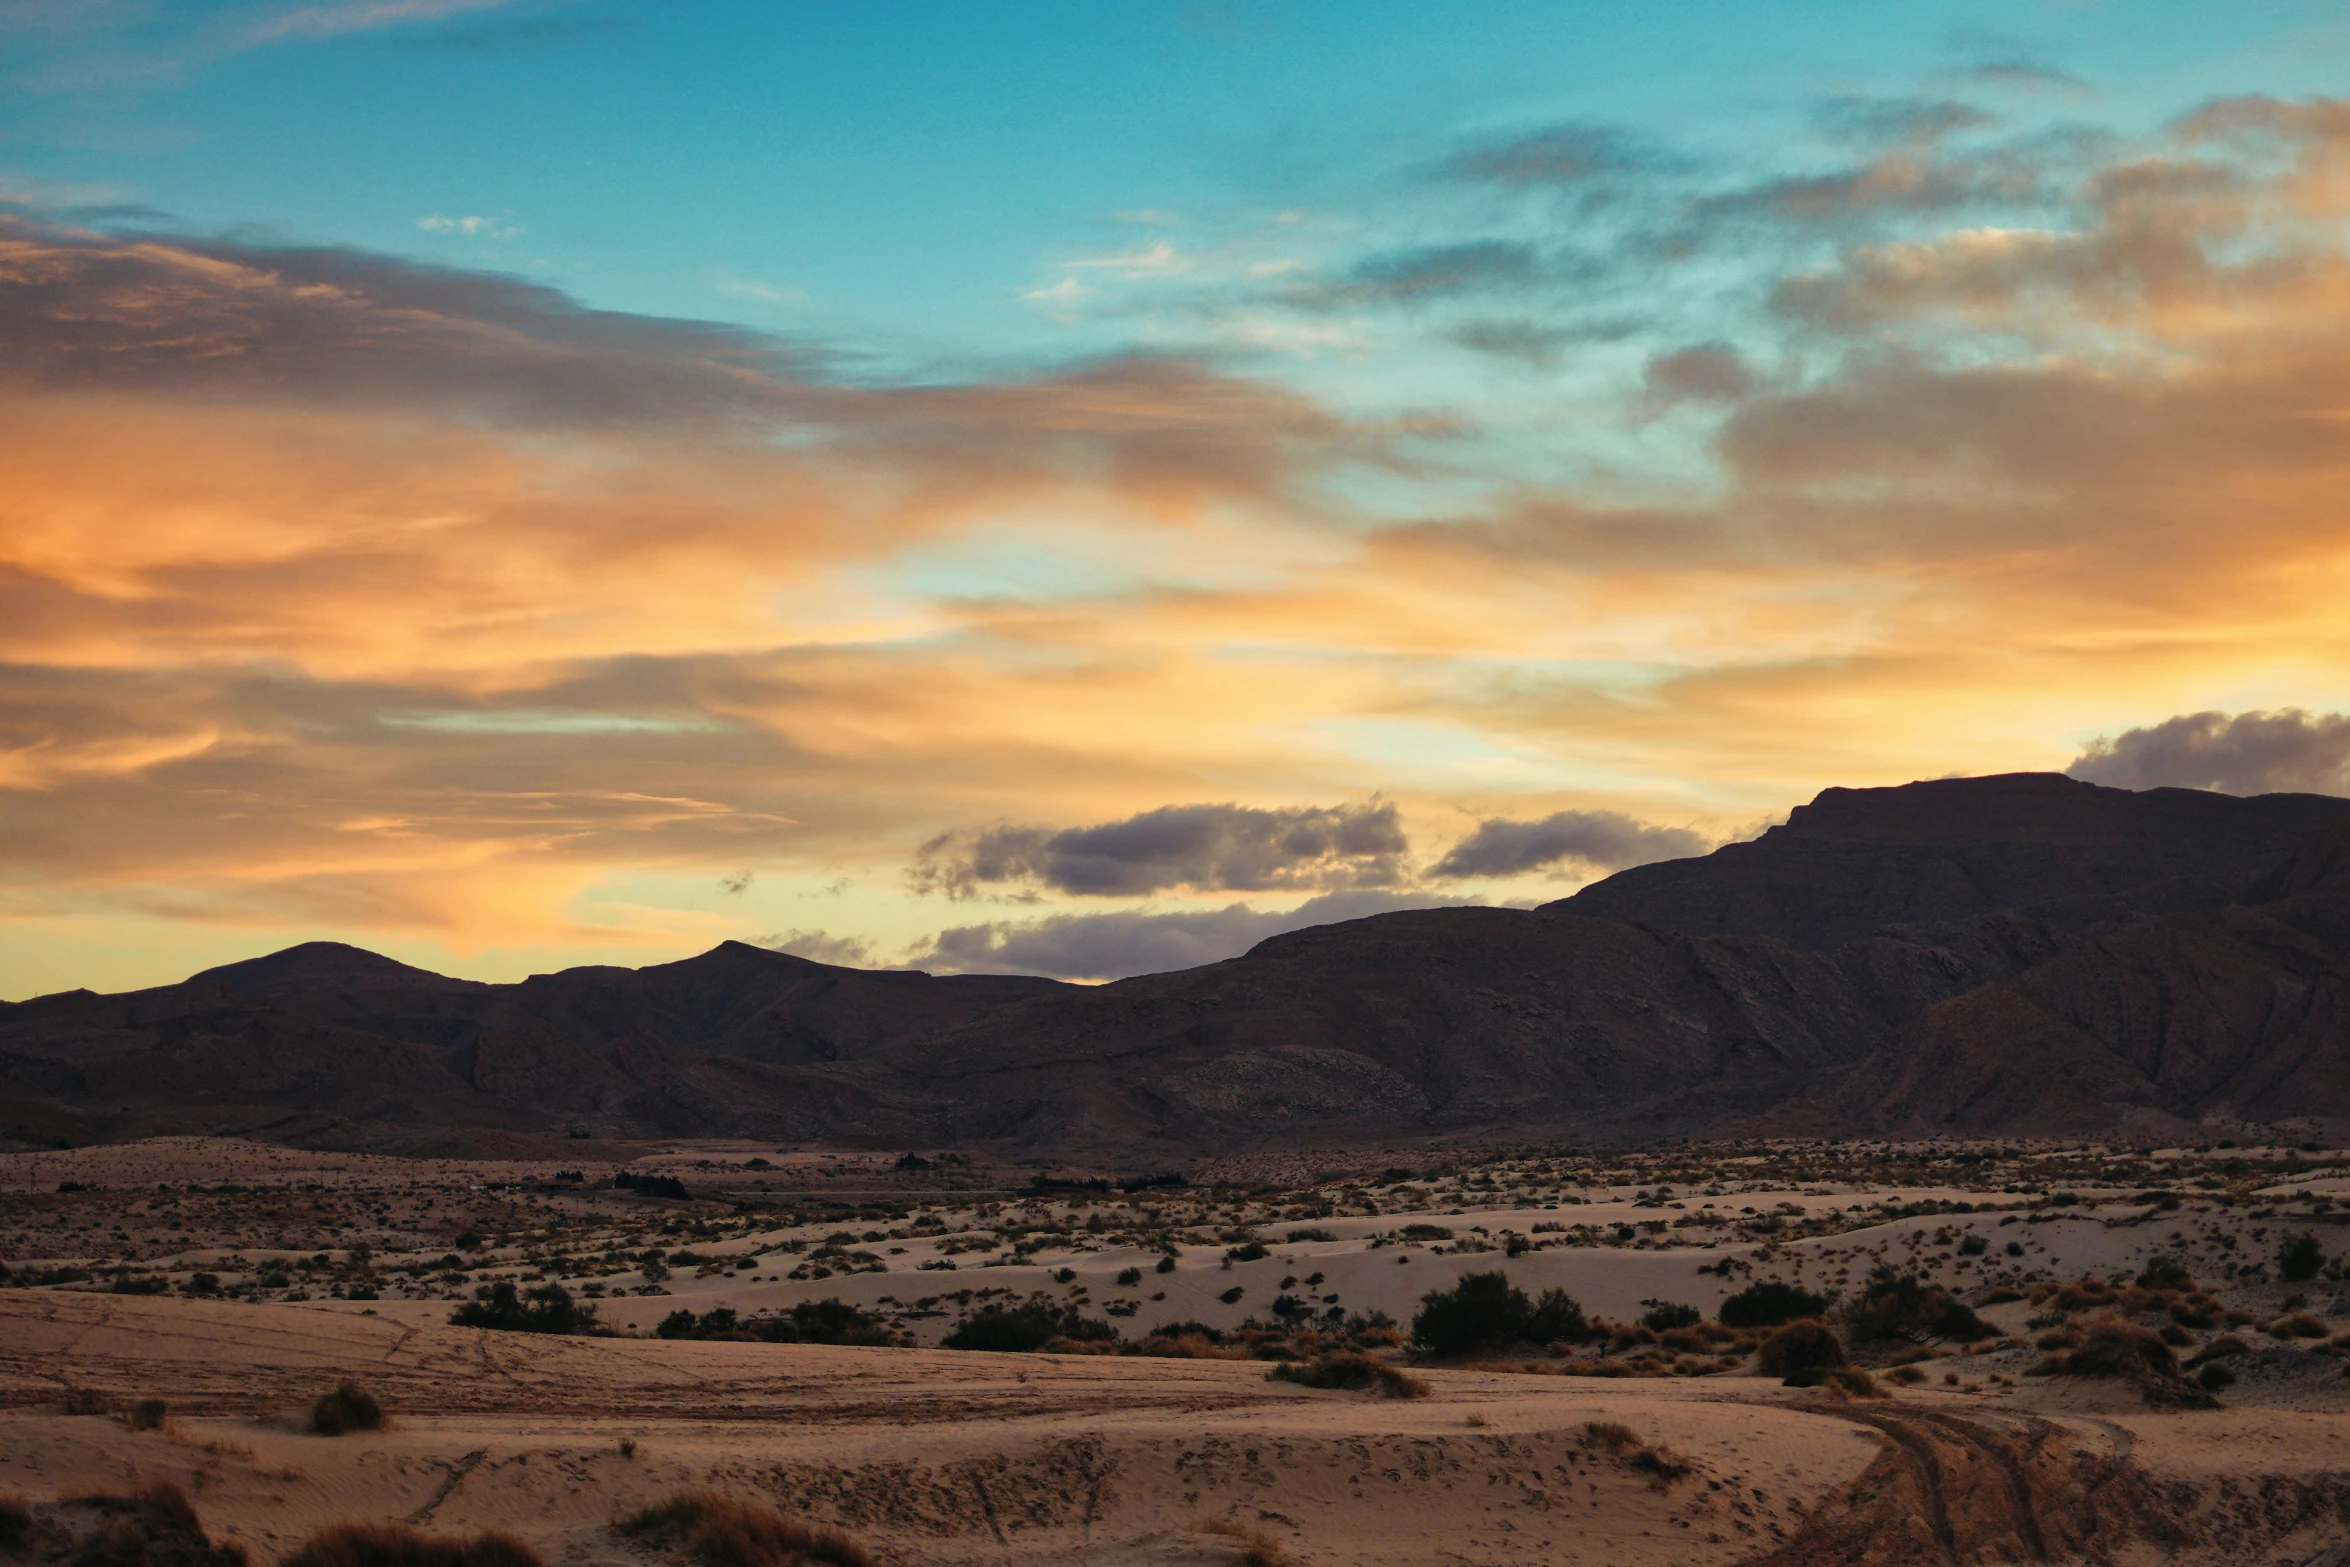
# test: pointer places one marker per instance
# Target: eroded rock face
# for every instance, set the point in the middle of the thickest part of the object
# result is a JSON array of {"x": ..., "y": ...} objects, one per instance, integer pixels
[{"x": 1953, "y": 851}]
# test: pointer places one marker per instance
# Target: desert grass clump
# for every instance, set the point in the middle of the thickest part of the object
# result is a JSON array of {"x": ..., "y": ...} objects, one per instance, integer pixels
[
  {"x": 1801, "y": 1354},
  {"x": 1661, "y": 1464},
  {"x": 1352, "y": 1373},
  {"x": 2296, "y": 1327},
  {"x": 349, "y": 1407},
  {"x": 711, "y": 1530},
  {"x": 1257, "y": 1548},
  {"x": 1610, "y": 1435},
  {"x": 397, "y": 1545}
]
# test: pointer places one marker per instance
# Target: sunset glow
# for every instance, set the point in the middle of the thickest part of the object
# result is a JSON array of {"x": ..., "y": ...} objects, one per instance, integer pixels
[{"x": 1061, "y": 489}]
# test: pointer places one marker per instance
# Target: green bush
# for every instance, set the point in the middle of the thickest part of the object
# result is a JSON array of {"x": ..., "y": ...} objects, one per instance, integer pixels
[
  {"x": 1665, "y": 1315},
  {"x": 2166, "y": 1273},
  {"x": 1901, "y": 1305},
  {"x": 1770, "y": 1304},
  {"x": 828, "y": 1321},
  {"x": 547, "y": 1309},
  {"x": 1022, "y": 1330},
  {"x": 1485, "y": 1310},
  {"x": 2300, "y": 1258}
]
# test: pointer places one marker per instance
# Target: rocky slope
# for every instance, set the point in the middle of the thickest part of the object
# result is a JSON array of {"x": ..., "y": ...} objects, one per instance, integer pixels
[{"x": 1996, "y": 954}]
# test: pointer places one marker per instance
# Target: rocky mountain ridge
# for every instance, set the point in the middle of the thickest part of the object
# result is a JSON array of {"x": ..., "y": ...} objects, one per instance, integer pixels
[{"x": 2008, "y": 954}]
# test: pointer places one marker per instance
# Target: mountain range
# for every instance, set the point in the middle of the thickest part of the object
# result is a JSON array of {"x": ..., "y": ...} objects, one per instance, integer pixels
[{"x": 2022, "y": 954}]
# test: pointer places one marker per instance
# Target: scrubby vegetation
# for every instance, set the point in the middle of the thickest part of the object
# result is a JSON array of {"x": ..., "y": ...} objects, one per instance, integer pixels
[
  {"x": 710, "y": 1530},
  {"x": 1770, "y": 1304},
  {"x": 1895, "y": 1305},
  {"x": 154, "y": 1527},
  {"x": 1353, "y": 1372},
  {"x": 349, "y": 1407},
  {"x": 547, "y": 1309},
  {"x": 1024, "y": 1329},
  {"x": 827, "y": 1321},
  {"x": 397, "y": 1545},
  {"x": 1485, "y": 1310},
  {"x": 16, "y": 1523},
  {"x": 1801, "y": 1353}
]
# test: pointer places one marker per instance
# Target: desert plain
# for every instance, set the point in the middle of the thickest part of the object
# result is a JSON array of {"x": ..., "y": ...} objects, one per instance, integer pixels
[{"x": 175, "y": 1307}]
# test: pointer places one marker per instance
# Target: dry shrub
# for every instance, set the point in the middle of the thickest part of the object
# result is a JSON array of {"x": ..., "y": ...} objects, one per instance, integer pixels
[
  {"x": 397, "y": 1545},
  {"x": 1801, "y": 1353},
  {"x": 1852, "y": 1382},
  {"x": 718, "y": 1531},
  {"x": 84, "y": 1401},
  {"x": 1597, "y": 1368},
  {"x": 2113, "y": 1347},
  {"x": 148, "y": 1414},
  {"x": 1612, "y": 1435},
  {"x": 1181, "y": 1346},
  {"x": 1257, "y": 1548},
  {"x": 2297, "y": 1327},
  {"x": 16, "y": 1523},
  {"x": 1351, "y": 1373},
  {"x": 153, "y": 1528},
  {"x": 349, "y": 1407},
  {"x": 1661, "y": 1464},
  {"x": 1905, "y": 1376}
]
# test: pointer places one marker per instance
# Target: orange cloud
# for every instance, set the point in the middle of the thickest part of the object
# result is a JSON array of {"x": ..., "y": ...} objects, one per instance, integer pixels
[{"x": 342, "y": 595}]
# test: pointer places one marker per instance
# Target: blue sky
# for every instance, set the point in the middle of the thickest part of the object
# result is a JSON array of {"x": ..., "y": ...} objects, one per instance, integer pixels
[{"x": 893, "y": 179}]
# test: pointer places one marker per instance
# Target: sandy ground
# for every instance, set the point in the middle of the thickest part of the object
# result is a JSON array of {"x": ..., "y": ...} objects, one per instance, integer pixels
[{"x": 935, "y": 1456}]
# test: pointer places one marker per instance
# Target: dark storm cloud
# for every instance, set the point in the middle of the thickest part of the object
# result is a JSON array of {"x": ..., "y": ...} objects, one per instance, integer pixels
[
  {"x": 1230, "y": 848},
  {"x": 1607, "y": 839},
  {"x": 2288, "y": 751},
  {"x": 1116, "y": 945}
]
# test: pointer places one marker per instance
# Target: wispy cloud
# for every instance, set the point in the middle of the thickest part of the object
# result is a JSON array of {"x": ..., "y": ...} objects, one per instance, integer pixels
[
  {"x": 343, "y": 593},
  {"x": 486, "y": 228},
  {"x": 359, "y": 16}
]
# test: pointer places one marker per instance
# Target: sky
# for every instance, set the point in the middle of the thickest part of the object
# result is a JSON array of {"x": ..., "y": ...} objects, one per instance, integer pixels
[{"x": 1078, "y": 489}]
